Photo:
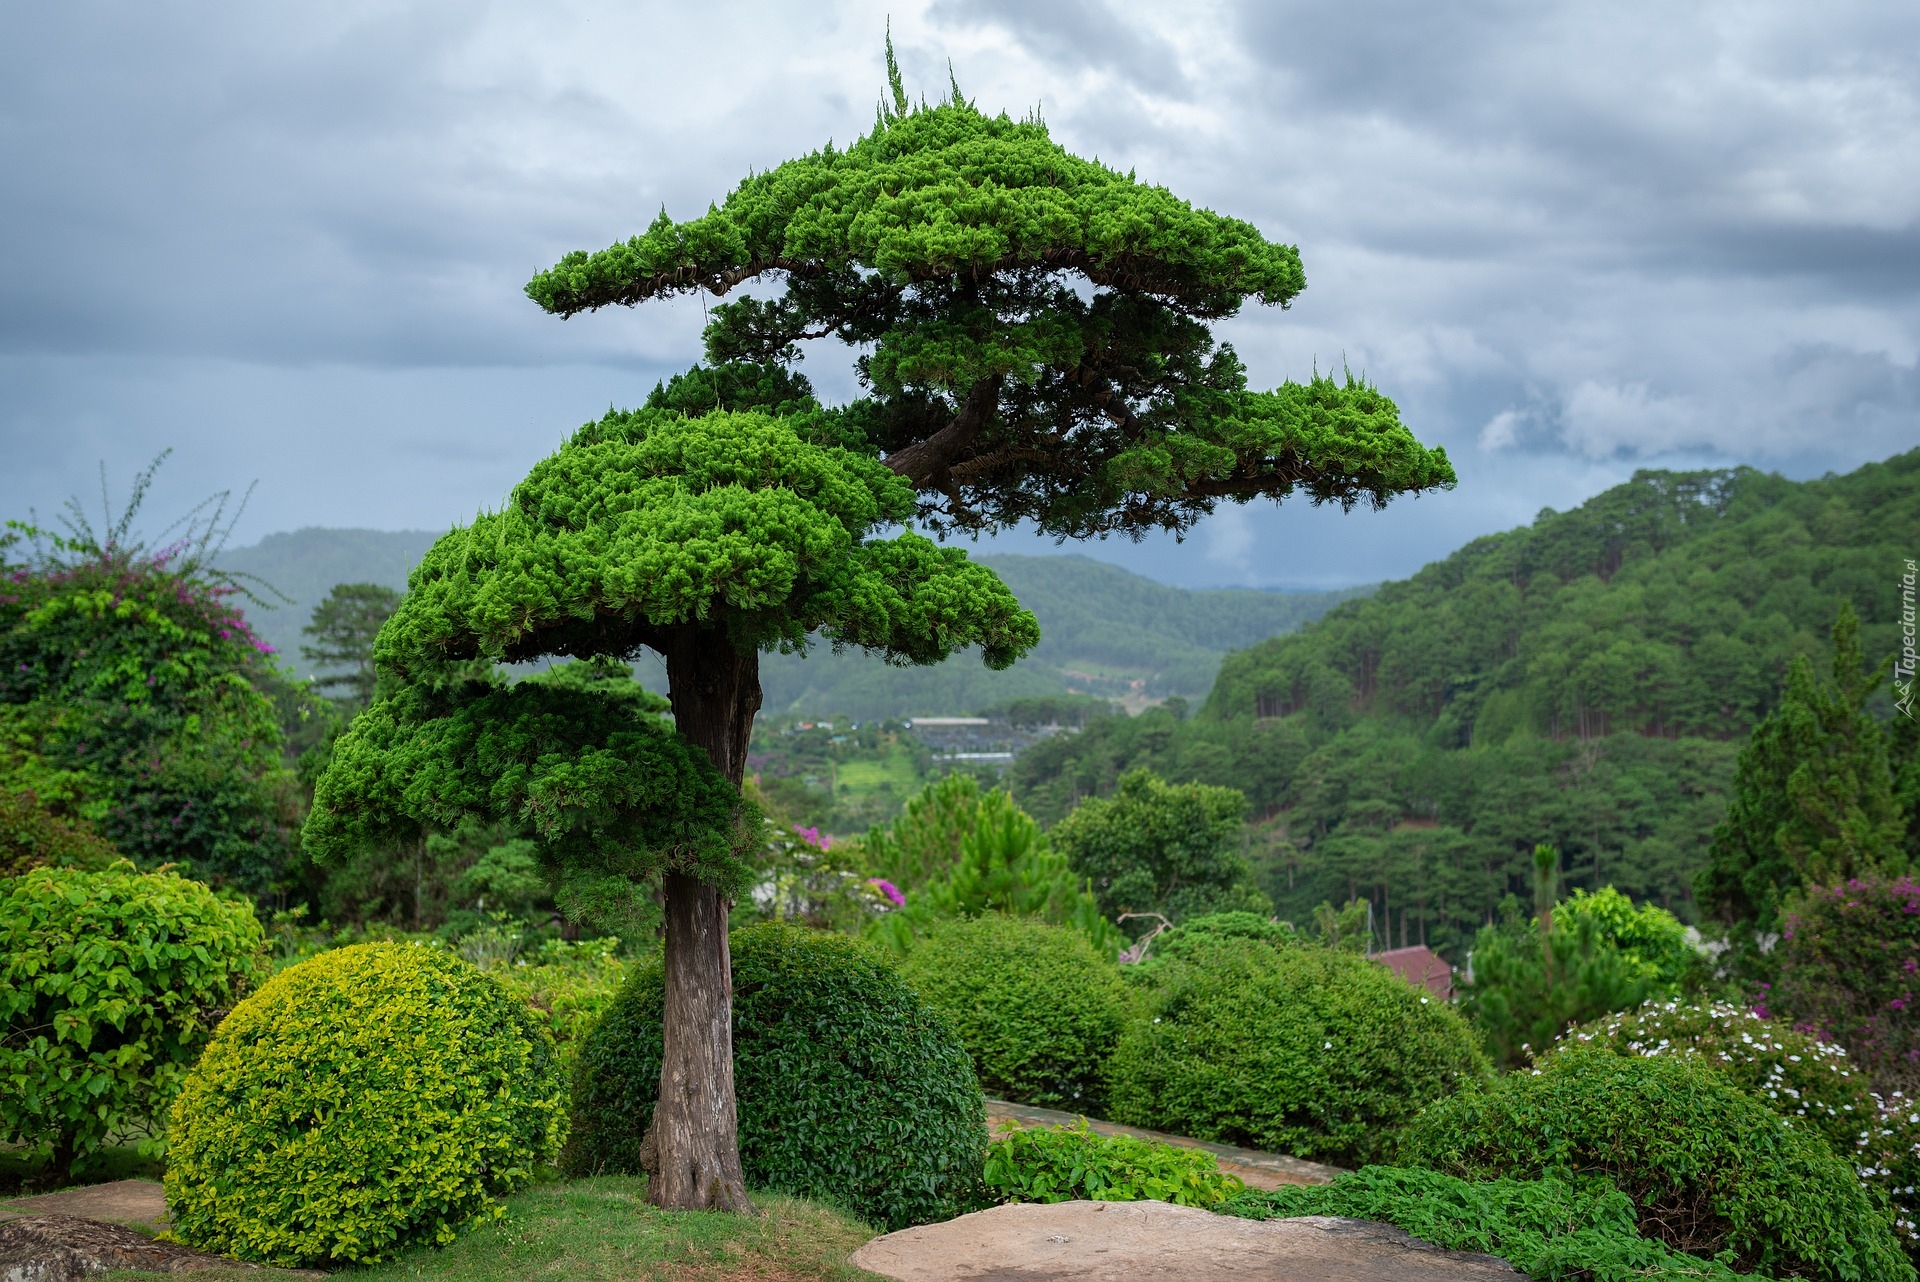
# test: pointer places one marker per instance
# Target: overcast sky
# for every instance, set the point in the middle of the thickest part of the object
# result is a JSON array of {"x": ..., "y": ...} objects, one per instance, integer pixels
[{"x": 1569, "y": 240}]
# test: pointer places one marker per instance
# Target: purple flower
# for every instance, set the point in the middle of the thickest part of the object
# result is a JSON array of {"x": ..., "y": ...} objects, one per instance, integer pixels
[{"x": 888, "y": 889}]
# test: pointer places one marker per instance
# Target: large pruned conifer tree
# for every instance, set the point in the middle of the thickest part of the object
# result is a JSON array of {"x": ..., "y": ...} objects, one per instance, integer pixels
[
  {"x": 705, "y": 539},
  {"x": 1035, "y": 340}
]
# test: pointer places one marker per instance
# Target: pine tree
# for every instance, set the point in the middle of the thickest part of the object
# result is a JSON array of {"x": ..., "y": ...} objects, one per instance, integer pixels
[
  {"x": 343, "y": 628},
  {"x": 1814, "y": 799}
]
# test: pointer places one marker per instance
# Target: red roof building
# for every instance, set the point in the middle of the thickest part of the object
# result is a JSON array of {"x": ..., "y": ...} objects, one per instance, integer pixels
[{"x": 1419, "y": 965}]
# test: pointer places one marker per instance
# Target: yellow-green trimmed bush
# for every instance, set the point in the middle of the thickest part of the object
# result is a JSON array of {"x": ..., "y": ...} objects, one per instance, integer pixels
[{"x": 371, "y": 1098}]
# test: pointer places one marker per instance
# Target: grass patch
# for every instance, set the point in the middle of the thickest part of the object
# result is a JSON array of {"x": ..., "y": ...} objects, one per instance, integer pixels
[
  {"x": 602, "y": 1230},
  {"x": 864, "y": 775}
]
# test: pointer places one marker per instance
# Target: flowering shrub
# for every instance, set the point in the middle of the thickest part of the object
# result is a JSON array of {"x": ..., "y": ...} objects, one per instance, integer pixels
[
  {"x": 134, "y": 696},
  {"x": 801, "y": 882},
  {"x": 1796, "y": 1075},
  {"x": 1849, "y": 970},
  {"x": 1792, "y": 1072},
  {"x": 1709, "y": 1169},
  {"x": 1071, "y": 1163}
]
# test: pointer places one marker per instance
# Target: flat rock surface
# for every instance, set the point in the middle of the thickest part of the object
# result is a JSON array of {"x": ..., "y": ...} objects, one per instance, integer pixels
[
  {"x": 66, "y": 1248},
  {"x": 1132, "y": 1241},
  {"x": 141, "y": 1203}
]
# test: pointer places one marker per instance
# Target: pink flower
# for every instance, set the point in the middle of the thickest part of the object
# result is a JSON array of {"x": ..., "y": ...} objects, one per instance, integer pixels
[{"x": 888, "y": 889}]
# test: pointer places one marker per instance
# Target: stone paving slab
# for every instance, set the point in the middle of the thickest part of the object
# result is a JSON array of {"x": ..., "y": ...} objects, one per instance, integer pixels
[
  {"x": 1159, "y": 1242},
  {"x": 1258, "y": 1170},
  {"x": 139, "y": 1204}
]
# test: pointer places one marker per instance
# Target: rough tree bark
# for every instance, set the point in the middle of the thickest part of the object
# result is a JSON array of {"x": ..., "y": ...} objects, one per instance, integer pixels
[{"x": 692, "y": 1150}]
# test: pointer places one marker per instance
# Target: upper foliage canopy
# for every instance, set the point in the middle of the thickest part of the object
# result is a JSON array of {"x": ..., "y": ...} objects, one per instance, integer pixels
[
  {"x": 1034, "y": 327},
  {"x": 648, "y": 521}
]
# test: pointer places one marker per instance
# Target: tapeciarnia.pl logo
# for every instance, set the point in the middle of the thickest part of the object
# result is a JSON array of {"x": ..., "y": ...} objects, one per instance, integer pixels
[{"x": 1904, "y": 662}]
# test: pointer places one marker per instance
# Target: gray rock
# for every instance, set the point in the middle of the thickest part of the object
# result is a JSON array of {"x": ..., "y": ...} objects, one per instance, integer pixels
[
  {"x": 1135, "y": 1241},
  {"x": 65, "y": 1248}
]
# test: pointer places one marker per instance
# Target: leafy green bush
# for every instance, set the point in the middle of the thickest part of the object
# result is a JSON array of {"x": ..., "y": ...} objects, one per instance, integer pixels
[
  {"x": 1651, "y": 940},
  {"x": 371, "y": 1098},
  {"x": 1708, "y": 1169},
  {"x": 569, "y": 985},
  {"x": 32, "y": 836},
  {"x": 851, "y": 1088},
  {"x": 1070, "y": 1163},
  {"x": 1794, "y": 1074},
  {"x": 110, "y": 983},
  {"x": 1037, "y": 1008},
  {"x": 1290, "y": 1048},
  {"x": 1159, "y": 847},
  {"x": 1232, "y": 925},
  {"x": 1548, "y": 1228}
]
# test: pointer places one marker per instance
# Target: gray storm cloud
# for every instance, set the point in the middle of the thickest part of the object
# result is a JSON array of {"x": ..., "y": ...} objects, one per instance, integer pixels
[{"x": 1570, "y": 240}]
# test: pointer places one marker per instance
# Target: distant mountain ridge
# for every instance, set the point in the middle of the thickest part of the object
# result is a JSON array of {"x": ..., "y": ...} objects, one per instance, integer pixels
[
  {"x": 305, "y": 564},
  {"x": 1105, "y": 631}
]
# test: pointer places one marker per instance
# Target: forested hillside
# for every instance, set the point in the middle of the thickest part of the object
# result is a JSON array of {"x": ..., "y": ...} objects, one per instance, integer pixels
[
  {"x": 1586, "y": 680},
  {"x": 1105, "y": 631},
  {"x": 302, "y": 566}
]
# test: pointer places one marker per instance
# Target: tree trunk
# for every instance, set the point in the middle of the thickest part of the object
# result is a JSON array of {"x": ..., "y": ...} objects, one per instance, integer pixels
[{"x": 692, "y": 1150}]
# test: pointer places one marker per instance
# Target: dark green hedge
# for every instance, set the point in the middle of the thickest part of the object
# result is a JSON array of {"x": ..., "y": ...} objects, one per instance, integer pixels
[
  {"x": 851, "y": 1088},
  {"x": 1291, "y": 1048},
  {"x": 1037, "y": 1008},
  {"x": 1708, "y": 1168}
]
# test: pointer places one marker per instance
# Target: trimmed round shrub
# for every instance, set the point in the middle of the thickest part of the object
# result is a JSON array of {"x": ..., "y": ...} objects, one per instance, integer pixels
[
  {"x": 851, "y": 1088},
  {"x": 110, "y": 984},
  {"x": 1708, "y": 1168},
  {"x": 1035, "y": 1005},
  {"x": 363, "y": 1101},
  {"x": 1794, "y": 1074},
  {"x": 1234, "y": 925},
  {"x": 1290, "y": 1048}
]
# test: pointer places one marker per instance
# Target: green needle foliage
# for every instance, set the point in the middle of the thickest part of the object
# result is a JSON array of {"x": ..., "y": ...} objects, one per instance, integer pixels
[
  {"x": 644, "y": 523},
  {"x": 612, "y": 795},
  {"x": 1813, "y": 799},
  {"x": 1549, "y": 1228},
  {"x": 648, "y": 521},
  {"x": 956, "y": 249},
  {"x": 343, "y": 629}
]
